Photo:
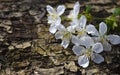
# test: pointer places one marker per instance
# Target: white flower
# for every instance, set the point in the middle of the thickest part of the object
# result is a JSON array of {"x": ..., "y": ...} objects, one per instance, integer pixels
[
  {"x": 80, "y": 26},
  {"x": 54, "y": 17},
  {"x": 65, "y": 34},
  {"x": 86, "y": 50},
  {"x": 74, "y": 13},
  {"x": 102, "y": 37}
]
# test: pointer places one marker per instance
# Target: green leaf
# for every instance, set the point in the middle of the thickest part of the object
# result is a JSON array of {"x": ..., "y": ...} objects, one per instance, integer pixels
[
  {"x": 111, "y": 22},
  {"x": 79, "y": 15},
  {"x": 116, "y": 12},
  {"x": 114, "y": 25},
  {"x": 88, "y": 8},
  {"x": 89, "y": 17}
]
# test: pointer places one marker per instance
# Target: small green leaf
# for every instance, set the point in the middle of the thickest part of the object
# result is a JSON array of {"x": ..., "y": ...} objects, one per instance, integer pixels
[
  {"x": 111, "y": 22},
  {"x": 89, "y": 17},
  {"x": 114, "y": 25},
  {"x": 88, "y": 8},
  {"x": 116, "y": 12},
  {"x": 79, "y": 15}
]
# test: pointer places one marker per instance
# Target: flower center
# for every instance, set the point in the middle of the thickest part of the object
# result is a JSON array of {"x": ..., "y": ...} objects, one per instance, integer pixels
[
  {"x": 102, "y": 39},
  {"x": 54, "y": 16},
  {"x": 67, "y": 35},
  {"x": 88, "y": 53},
  {"x": 81, "y": 32}
]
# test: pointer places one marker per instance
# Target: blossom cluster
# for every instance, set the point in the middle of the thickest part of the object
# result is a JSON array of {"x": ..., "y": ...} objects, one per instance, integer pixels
[{"x": 88, "y": 41}]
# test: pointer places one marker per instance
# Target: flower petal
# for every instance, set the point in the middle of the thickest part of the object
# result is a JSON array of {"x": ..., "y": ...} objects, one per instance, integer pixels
[
  {"x": 71, "y": 29},
  {"x": 75, "y": 40},
  {"x": 83, "y": 61},
  {"x": 76, "y": 9},
  {"x": 97, "y": 58},
  {"x": 97, "y": 47},
  {"x": 78, "y": 50},
  {"x": 71, "y": 16},
  {"x": 53, "y": 29},
  {"x": 65, "y": 43},
  {"x": 57, "y": 21},
  {"x": 86, "y": 41},
  {"x": 82, "y": 21},
  {"x": 50, "y": 20},
  {"x": 114, "y": 39},
  {"x": 50, "y": 10},
  {"x": 61, "y": 27},
  {"x": 102, "y": 28},
  {"x": 58, "y": 35},
  {"x": 91, "y": 30},
  {"x": 74, "y": 22},
  {"x": 60, "y": 9},
  {"x": 96, "y": 38},
  {"x": 106, "y": 46}
]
